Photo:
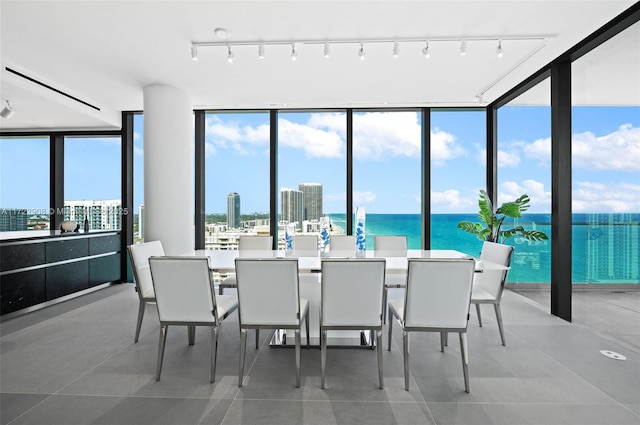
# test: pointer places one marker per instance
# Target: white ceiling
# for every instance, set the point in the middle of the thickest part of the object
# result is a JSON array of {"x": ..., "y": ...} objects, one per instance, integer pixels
[{"x": 105, "y": 52}]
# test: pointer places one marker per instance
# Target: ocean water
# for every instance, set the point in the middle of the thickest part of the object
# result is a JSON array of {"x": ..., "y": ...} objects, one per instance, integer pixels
[{"x": 605, "y": 246}]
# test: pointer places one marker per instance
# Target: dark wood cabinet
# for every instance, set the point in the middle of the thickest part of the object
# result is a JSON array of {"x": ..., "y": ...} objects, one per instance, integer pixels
[{"x": 37, "y": 268}]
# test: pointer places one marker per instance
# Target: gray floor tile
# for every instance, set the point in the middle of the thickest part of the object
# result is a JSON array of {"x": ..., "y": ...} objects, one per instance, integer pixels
[
  {"x": 14, "y": 405},
  {"x": 531, "y": 413},
  {"x": 81, "y": 410}
]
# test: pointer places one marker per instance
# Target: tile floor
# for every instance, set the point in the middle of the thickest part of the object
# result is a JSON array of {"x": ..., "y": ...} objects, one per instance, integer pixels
[{"x": 76, "y": 363}]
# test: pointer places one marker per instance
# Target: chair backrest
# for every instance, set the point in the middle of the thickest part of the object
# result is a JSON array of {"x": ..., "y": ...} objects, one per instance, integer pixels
[
  {"x": 352, "y": 291},
  {"x": 343, "y": 246},
  {"x": 255, "y": 246},
  {"x": 139, "y": 255},
  {"x": 268, "y": 291},
  {"x": 390, "y": 246},
  {"x": 438, "y": 293},
  {"x": 493, "y": 281},
  {"x": 184, "y": 291},
  {"x": 305, "y": 245}
]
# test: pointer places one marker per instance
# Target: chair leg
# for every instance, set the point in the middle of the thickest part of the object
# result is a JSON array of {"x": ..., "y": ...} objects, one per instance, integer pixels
[
  {"x": 306, "y": 319},
  {"x": 243, "y": 346},
  {"x": 379, "y": 349},
  {"x": 323, "y": 357},
  {"x": 478, "y": 314},
  {"x": 140, "y": 316},
  {"x": 298, "y": 358},
  {"x": 257, "y": 338},
  {"x": 161, "y": 343},
  {"x": 442, "y": 338},
  {"x": 220, "y": 289},
  {"x": 405, "y": 350},
  {"x": 465, "y": 359},
  {"x": 499, "y": 318},
  {"x": 390, "y": 329},
  {"x": 384, "y": 304},
  {"x": 191, "y": 330},
  {"x": 214, "y": 352}
]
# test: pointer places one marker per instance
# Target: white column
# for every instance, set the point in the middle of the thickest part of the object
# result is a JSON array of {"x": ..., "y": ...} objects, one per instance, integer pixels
[{"x": 168, "y": 168}]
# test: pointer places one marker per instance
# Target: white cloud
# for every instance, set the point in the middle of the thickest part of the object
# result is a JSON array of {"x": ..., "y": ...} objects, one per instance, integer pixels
[
  {"x": 363, "y": 197},
  {"x": 606, "y": 197},
  {"x": 313, "y": 141},
  {"x": 245, "y": 140},
  {"x": 508, "y": 159},
  {"x": 619, "y": 150},
  {"x": 379, "y": 135},
  {"x": 444, "y": 147},
  {"x": 450, "y": 200},
  {"x": 540, "y": 198}
]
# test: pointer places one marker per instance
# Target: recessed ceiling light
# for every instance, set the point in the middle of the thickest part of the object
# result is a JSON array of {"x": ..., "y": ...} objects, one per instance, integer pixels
[{"x": 221, "y": 33}]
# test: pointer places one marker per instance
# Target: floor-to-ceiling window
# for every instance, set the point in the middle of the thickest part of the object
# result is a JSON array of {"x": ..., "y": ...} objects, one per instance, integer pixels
[
  {"x": 311, "y": 171},
  {"x": 138, "y": 178},
  {"x": 387, "y": 173},
  {"x": 458, "y": 162},
  {"x": 236, "y": 177},
  {"x": 524, "y": 167},
  {"x": 606, "y": 162},
  {"x": 92, "y": 181},
  {"x": 24, "y": 183}
]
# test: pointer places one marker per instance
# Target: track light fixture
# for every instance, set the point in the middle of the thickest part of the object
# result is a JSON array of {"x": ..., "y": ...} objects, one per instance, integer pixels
[
  {"x": 425, "y": 50},
  {"x": 7, "y": 112},
  {"x": 230, "y": 55},
  {"x": 395, "y": 42}
]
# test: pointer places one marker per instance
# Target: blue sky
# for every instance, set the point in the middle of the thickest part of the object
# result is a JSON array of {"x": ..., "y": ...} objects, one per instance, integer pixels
[{"x": 387, "y": 157}]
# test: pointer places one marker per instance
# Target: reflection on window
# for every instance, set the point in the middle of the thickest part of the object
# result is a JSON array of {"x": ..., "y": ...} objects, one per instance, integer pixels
[
  {"x": 311, "y": 172},
  {"x": 92, "y": 182},
  {"x": 606, "y": 194},
  {"x": 24, "y": 184},
  {"x": 138, "y": 178},
  {"x": 236, "y": 177},
  {"x": 387, "y": 150}
]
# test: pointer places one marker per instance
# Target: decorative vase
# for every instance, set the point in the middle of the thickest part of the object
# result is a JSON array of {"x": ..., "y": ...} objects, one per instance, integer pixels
[
  {"x": 325, "y": 237},
  {"x": 289, "y": 231},
  {"x": 361, "y": 240}
]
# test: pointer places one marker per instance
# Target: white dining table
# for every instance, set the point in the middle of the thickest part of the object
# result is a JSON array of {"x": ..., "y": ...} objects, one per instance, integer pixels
[{"x": 309, "y": 267}]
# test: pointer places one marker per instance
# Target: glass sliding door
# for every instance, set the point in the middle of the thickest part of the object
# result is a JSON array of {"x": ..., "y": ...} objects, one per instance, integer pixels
[
  {"x": 24, "y": 183},
  {"x": 387, "y": 173},
  {"x": 311, "y": 172},
  {"x": 92, "y": 181},
  {"x": 236, "y": 177},
  {"x": 458, "y": 162}
]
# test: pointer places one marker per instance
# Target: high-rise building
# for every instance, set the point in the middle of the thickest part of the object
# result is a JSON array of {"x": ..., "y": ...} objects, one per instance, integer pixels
[
  {"x": 292, "y": 202},
  {"x": 102, "y": 215},
  {"x": 233, "y": 210},
  {"x": 312, "y": 200},
  {"x": 12, "y": 219},
  {"x": 612, "y": 248}
]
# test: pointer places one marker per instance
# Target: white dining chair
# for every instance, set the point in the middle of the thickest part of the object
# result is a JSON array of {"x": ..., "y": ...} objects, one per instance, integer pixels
[
  {"x": 269, "y": 298},
  {"x": 251, "y": 246},
  {"x": 185, "y": 296},
  {"x": 342, "y": 246},
  {"x": 305, "y": 245},
  {"x": 437, "y": 299},
  {"x": 391, "y": 246},
  {"x": 488, "y": 286},
  {"x": 351, "y": 299},
  {"x": 139, "y": 255}
]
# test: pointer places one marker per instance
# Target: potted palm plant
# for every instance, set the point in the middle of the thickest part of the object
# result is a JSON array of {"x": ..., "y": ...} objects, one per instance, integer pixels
[{"x": 492, "y": 227}]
